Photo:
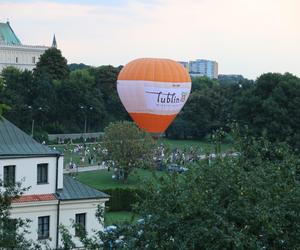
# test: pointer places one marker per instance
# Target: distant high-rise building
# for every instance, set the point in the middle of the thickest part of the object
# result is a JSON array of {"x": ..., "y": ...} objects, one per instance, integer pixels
[
  {"x": 202, "y": 67},
  {"x": 14, "y": 53},
  {"x": 185, "y": 65}
]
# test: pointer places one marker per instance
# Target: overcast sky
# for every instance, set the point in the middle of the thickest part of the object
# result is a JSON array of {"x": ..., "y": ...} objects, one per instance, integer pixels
[{"x": 247, "y": 37}]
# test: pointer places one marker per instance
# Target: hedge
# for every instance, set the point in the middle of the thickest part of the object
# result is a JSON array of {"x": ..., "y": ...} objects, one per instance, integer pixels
[{"x": 122, "y": 199}]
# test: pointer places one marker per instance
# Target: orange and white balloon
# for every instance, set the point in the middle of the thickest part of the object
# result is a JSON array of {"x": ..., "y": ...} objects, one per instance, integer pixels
[{"x": 153, "y": 91}]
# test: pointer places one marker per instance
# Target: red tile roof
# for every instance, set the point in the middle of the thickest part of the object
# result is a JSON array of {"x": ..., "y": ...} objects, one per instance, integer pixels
[{"x": 35, "y": 198}]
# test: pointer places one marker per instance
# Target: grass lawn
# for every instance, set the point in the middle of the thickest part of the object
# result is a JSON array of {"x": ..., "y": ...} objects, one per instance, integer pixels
[
  {"x": 102, "y": 179},
  {"x": 119, "y": 217},
  {"x": 202, "y": 146},
  {"x": 75, "y": 157}
]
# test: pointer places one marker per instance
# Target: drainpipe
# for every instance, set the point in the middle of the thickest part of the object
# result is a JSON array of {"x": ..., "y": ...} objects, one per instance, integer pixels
[
  {"x": 57, "y": 224},
  {"x": 58, "y": 204},
  {"x": 56, "y": 175}
]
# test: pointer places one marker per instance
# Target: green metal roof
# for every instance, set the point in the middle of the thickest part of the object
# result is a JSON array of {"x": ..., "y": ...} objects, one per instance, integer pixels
[
  {"x": 75, "y": 190},
  {"x": 8, "y": 35},
  {"x": 15, "y": 143}
]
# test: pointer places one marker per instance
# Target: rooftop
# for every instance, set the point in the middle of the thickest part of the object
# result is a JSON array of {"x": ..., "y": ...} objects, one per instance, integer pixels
[
  {"x": 16, "y": 143},
  {"x": 75, "y": 190},
  {"x": 7, "y": 35},
  {"x": 35, "y": 198}
]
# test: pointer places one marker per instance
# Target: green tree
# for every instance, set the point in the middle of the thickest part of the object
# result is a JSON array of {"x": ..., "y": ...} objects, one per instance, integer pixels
[
  {"x": 2, "y": 105},
  {"x": 247, "y": 202},
  {"x": 128, "y": 147},
  {"x": 52, "y": 63},
  {"x": 13, "y": 231},
  {"x": 106, "y": 82},
  {"x": 203, "y": 82},
  {"x": 15, "y": 95},
  {"x": 271, "y": 108},
  {"x": 79, "y": 100},
  {"x": 206, "y": 111}
]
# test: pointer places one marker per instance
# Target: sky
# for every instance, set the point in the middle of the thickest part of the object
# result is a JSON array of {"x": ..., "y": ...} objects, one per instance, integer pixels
[{"x": 248, "y": 37}]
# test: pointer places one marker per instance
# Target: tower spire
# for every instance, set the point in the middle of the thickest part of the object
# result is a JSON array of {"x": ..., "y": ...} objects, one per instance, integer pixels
[{"x": 54, "y": 44}]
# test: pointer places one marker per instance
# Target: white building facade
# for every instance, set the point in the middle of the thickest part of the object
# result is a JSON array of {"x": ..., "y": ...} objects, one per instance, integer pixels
[
  {"x": 53, "y": 199},
  {"x": 14, "y": 53},
  {"x": 202, "y": 67}
]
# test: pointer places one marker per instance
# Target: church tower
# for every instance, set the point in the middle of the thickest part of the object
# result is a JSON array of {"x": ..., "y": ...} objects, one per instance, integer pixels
[{"x": 54, "y": 44}]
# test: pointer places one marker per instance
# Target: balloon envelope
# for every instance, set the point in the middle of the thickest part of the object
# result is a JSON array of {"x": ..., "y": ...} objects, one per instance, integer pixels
[{"x": 153, "y": 91}]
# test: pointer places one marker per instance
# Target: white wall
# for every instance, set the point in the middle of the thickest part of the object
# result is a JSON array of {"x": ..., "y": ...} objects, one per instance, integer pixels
[
  {"x": 68, "y": 210},
  {"x": 9, "y": 53},
  {"x": 33, "y": 210},
  {"x": 26, "y": 172}
]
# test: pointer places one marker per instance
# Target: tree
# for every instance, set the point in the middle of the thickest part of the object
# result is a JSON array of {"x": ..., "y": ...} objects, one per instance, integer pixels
[
  {"x": 2, "y": 105},
  {"x": 14, "y": 94},
  {"x": 271, "y": 108},
  {"x": 52, "y": 63},
  {"x": 106, "y": 82},
  {"x": 79, "y": 101},
  {"x": 206, "y": 111},
  {"x": 247, "y": 202},
  {"x": 13, "y": 231},
  {"x": 128, "y": 146}
]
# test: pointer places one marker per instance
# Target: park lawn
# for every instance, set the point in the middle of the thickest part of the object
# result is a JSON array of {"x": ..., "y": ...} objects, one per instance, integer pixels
[
  {"x": 203, "y": 146},
  {"x": 75, "y": 157},
  {"x": 116, "y": 218},
  {"x": 102, "y": 179}
]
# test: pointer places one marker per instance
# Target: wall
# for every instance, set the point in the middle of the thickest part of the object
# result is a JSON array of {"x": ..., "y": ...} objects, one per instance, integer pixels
[
  {"x": 8, "y": 54},
  {"x": 26, "y": 172},
  {"x": 68, "y": 209},
  {"x": 33, "y": 210}
]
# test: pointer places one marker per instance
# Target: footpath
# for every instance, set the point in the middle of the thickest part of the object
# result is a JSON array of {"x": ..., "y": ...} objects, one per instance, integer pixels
[
  {"x": 102, "y": 166},
  {"x": 84, "y": 169}
]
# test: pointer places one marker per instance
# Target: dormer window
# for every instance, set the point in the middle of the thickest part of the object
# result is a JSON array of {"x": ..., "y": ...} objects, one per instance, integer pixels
[{"x": 42, "y": 173}]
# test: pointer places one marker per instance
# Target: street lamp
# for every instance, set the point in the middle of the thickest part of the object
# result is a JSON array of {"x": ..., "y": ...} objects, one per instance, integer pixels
[
  {"x": 32, "y": 123},
  {"x": 85, "y": 111}
]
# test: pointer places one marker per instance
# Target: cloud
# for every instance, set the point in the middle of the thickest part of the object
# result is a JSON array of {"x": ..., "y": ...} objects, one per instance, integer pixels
[{"x": 247, "y": 37}]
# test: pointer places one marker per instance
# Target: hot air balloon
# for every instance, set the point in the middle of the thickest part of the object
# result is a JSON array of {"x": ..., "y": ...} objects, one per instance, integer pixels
[{"x": 153, "y": 91}]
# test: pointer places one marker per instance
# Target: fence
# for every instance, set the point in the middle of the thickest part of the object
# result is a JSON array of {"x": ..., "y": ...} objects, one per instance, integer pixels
[{"x": 60, "y": 137}]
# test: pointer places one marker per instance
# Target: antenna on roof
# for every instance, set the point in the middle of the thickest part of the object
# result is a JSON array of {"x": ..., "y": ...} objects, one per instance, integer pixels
[{"x": 7, "y": 20}]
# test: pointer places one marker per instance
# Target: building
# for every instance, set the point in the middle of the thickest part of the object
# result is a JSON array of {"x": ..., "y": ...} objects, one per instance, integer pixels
[
  {"x": 53, "y": 198},
  {"x": 202, "y": 67},
  {"x": 14, "y": 53},
  {"x": 185, "y": 65}
]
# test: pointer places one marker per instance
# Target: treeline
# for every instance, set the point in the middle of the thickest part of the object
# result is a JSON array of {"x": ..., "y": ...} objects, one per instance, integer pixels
[
  {"x": 68, "y": 99},
  {"x": 60, "y": 100},
  {"x": 268, "y": 107}
]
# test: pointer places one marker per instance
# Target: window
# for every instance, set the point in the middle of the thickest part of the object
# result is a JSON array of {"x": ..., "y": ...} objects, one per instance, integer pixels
[
  {"x": 9, "y": 176},
  {"x": 33, "y": 59},
  {"x": 43, "y": 227},
  {"x": 80, "y": 220},
  {"x": 42, "y": 173},
  {"x": 17, "y": 59}
]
